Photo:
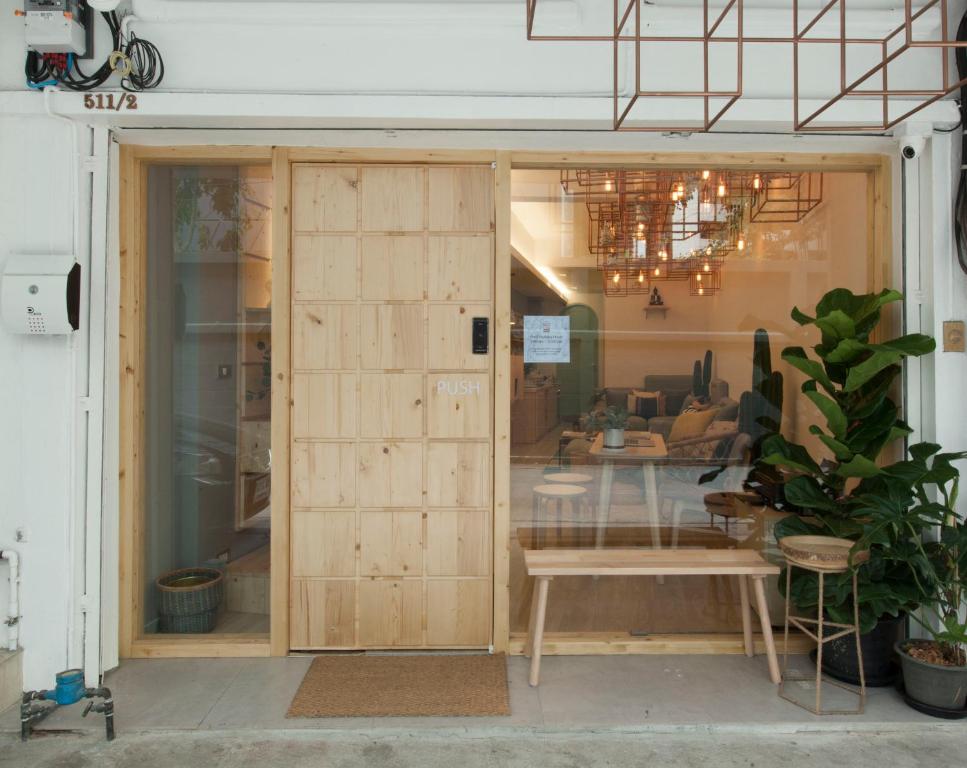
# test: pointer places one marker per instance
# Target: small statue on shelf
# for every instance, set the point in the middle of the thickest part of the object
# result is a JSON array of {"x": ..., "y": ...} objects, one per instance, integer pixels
[{"x": 655, "y": 300}]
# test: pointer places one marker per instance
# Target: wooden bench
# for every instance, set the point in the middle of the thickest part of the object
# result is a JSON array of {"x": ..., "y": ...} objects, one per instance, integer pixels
[{"x": 545, "y": 564}]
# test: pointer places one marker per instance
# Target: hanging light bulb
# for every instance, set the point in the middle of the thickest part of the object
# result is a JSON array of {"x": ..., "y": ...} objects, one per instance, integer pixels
[
  {"x": 757, "y": 182},
  {"x": 708, "y": 209},
  {"x": 641, "y": 277},
  {"x": 721, "y": 189},
  {"x": 607, "y": 184},
  {"x": 663, "y": 254},
  {"x": 616, "y": 278},
  {"x": 701, "y": 291},
  {"x": 705, "y": 175},
  {"x": 706, "y": 268},
  {"x": 708, "y": 251},
  {"x": 657, "y": 271},
  {"x": 681, "y": 188},
  {"x": 741, "y": 243},
  {"x": 698, "y": 278}
]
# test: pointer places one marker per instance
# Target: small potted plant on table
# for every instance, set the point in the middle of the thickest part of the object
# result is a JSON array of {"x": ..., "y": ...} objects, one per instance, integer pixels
[
  {"x": 935, "y": 670},
  {"x": 612, "y": 421}
]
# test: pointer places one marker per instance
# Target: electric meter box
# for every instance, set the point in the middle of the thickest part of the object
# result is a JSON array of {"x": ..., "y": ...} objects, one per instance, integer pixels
[
  {"x": 58, "y": 26},
  {"x": 40, "y": 294}
]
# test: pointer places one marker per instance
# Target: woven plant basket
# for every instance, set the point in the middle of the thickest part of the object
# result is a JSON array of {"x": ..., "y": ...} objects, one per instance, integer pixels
[{"x": 190, "y": 608}]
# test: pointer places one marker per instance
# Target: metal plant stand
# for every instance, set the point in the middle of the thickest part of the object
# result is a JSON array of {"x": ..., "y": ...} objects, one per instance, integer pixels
[{"x": 822, "y": 555}]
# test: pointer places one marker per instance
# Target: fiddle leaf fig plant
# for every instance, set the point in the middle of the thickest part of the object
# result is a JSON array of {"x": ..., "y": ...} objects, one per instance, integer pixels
[{"x": 845, "y": 491}]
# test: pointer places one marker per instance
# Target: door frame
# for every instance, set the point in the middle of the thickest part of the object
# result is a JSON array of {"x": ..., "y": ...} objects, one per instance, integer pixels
[{"x": 134, "y": 161}]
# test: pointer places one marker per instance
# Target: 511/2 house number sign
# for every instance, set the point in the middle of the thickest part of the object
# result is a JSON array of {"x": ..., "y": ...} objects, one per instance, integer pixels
[{"x": 110, "y": 102}]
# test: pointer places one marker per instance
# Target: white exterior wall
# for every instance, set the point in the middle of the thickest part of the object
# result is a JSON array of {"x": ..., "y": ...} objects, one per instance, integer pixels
[
  {"x": 407, "y": 73},
  {"x": 36, "y": 412}
]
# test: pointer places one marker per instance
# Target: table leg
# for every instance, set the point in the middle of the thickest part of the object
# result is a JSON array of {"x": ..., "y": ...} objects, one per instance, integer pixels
[
  {"x": 746, "y": 616},
  {"x": 537, "y": 641},
  {"x": 604, "y": 503},
  {"x": 651, "y": 498},
  {"x": 529, "y": 645},
  {"x": 763, "y": 608}
]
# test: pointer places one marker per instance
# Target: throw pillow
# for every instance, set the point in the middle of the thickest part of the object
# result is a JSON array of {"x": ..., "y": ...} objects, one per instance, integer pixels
[
  {"x": 728, "y": 410},
  {"x": 691, "y": 424},
  {"x": 646, "y": 404}
]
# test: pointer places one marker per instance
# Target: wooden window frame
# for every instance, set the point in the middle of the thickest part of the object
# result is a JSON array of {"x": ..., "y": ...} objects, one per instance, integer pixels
[{"x": 134, "y": 163}]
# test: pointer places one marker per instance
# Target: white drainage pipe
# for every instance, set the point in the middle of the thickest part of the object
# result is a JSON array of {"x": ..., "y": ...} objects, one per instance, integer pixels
[{"x": 13, "y": 605}]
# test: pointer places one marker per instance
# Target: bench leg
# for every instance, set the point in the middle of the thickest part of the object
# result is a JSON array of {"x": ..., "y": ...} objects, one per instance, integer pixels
[
  {"x": 763, "y": 608},
  {"x": 537, "y": 637},
  {"x": 746, "y": 615},
  {"x": 529, "y": 645}
]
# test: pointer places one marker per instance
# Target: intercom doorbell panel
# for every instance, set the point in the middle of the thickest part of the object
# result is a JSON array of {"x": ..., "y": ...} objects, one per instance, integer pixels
[{"x": 40, "y": 294}]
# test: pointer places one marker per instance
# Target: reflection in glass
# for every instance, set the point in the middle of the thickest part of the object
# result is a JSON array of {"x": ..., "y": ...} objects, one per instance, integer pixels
[
  {"x": 696, "y": 374},
  {"x": 207, "y": 400}
]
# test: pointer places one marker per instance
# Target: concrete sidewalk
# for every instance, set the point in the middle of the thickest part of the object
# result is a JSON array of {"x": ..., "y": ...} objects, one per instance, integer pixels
[
  {"x": 933, "y": 747},
  {"x": 589, "y": 711}
]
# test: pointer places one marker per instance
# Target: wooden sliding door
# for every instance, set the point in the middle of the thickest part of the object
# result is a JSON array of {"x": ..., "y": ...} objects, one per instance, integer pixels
[{"x": 391, "y": 421}]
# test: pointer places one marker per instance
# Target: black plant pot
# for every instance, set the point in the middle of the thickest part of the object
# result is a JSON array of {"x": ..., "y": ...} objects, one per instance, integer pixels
[{"x": 880, "y": 665}]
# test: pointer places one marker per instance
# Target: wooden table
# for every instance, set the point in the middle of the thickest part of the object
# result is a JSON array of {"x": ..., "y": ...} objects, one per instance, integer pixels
[
  {"x": 545, "y": 564},
  {"x": 651, "y": 450}
]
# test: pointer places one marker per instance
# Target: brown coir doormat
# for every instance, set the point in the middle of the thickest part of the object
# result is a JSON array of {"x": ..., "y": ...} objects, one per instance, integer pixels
[{"x": 400, "y": 686}]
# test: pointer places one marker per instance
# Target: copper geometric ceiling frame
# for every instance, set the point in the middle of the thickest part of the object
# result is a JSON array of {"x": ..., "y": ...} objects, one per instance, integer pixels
[
  {"x": 884, "y": 92},
  {"x": 798, "y": 37},
  {"x": 707, "y": 38}
]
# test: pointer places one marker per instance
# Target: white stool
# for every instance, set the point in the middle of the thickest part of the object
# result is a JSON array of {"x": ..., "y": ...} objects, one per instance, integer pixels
[
  {"x": 568, "y": 478},
  {"x": 544, "y": 495}
]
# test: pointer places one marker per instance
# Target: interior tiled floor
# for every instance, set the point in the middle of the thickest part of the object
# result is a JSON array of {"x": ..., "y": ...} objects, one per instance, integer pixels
[{"x": 576, "y": 693}]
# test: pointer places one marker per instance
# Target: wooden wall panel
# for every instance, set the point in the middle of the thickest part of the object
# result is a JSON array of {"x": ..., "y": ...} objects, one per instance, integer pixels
[
  {"x": 392, "y": 199},
  {"x": 458, "y": 405},
  {"x": 392, "y": 267},
  {"x": 391, "y": 543},
  {"x": 449, "y": 330},
  {"x": 392, "y": 336},
  {"x": 324, "y": 267},
  {"x": 390, "y": 613},
  {"x": 391, "y": 405},
  {"x": 323, "y": 543},
  {"x": 458, "y": 475},
  {"x": 390, "y": 474},
  {"x": 458, "y": 542},
  {"x": 324, "y": 337},
  {"x": 458, "y": 613},
  {"x": 323, "y": 475},
  {"x": 459, "y": 267},
  {"x": 391, "y": 413},
  {"x": 461, "y": 199},
  {"x": 322, "y": 614},
  {"x": 324, "y": 405},
  {"x": 324, "y": 198}
]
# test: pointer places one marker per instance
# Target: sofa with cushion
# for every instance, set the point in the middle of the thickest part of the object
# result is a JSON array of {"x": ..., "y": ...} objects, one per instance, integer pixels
[{"x": 676, "y": 395}]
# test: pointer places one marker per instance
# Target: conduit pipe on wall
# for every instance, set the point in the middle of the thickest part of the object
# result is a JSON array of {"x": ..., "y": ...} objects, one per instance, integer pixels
[{"x": 13, "y": 604}]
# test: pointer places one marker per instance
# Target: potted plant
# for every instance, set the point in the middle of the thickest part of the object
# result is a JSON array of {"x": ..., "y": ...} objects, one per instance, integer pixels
[
  {"x": 849, "y": 382},
  {"x": 612, "y": 421},
  {"x": 935, "y": 670}
]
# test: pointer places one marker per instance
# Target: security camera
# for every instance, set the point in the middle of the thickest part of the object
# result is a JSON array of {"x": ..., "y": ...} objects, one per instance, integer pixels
[{"x": 911, "y": 147}]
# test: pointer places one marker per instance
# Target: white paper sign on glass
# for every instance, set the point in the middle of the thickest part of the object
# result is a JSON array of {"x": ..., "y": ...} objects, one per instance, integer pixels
[{"x": 547, "y": 339}]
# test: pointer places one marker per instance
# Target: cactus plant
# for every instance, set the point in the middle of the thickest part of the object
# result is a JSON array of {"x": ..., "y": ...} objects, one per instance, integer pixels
[
  {"x": 702, "y": 376},
  {"x": 768, "y": 385}
]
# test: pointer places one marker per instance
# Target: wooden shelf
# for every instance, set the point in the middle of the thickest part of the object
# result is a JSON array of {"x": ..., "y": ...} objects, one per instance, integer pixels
[{"x": 657, "y": 309}]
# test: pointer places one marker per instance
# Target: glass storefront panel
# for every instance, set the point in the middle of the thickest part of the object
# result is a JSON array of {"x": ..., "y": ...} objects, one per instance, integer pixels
[
  {"x": 207, "y": 400},
  {"x": 662, "y": 298}
]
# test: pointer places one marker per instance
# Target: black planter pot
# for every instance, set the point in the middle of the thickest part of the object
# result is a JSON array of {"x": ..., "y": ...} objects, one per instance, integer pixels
[
  {"x": 880, "y": 665},
  {"x": 934, "y": 689}
]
